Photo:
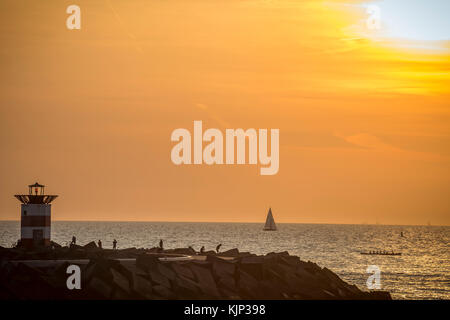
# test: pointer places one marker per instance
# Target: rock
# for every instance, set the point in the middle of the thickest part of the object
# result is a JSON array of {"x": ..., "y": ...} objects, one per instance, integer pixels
[
  {"x": 228, "y": 283},
  {"x": 100, "y": 288},
  {"x": 162, "y": 292},
  {"x": 222, "y": 268},
  {"x": 379, "y": 295},
  {"x": 206, "y": 281},
  {"x": 75, "y": 246},
  {"x": 119, "y": 294},
  {"x": 60, "y": 271},
  {"x": 230, "y": 253},
  {"x": 252, "y": 260},
  {"x": 147, "y": 261},
  {"x": 77, "y": 254},
  {"x": 142, "y": 286},
  {"x": 246, "y": 254},
  {"x": 121, "y": 281},
  {"x": 55, "y": 245},
  {"x": 278, "y": 254},
  {"x": 30, "y": 283},
  {"x": 181, "y": 268},
  {"x": 227, "y": 294},
  {"x": 102, "y": 269},
  {"x": 186, "y": 288},
  {"x": 166, "y": 271},
  {"x": 271, "y": 290},
  {"x": 233, "y": 276},
  {"x": 158, "y": 279},
  {"x": 126, "y": 253},
  {"x": 252, "y": 266},
  {"x": 291, "y": 261},
  {"x": 187, "y": 251},
  {"x": 90, "y": 245},
  {"x": 247, "y": 286}
]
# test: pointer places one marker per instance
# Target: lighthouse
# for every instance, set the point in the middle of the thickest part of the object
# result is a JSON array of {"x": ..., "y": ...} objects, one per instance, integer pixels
[{"x": 35, "y": 216}]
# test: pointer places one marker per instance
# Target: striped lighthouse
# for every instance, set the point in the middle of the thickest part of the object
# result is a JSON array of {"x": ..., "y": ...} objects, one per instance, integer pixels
[{"x": 35, "y": 217}]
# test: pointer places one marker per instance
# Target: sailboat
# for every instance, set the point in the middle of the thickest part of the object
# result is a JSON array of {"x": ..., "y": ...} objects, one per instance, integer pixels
[{"x": 270, "y": 223}]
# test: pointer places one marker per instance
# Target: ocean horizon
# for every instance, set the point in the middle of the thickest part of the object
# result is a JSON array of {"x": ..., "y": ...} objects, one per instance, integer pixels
[
  {"x": 421, "y": 272},
  {"x": 250, "y": 222}
]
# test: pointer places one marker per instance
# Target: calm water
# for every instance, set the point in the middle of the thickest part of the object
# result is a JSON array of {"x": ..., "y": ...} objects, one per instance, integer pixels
[{"x": 422, "y": 272}]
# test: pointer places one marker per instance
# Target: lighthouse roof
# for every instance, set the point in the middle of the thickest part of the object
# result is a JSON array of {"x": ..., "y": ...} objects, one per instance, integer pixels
[
  {"x": 36, "y": 185},
  {"x": 35, "y": 199}
]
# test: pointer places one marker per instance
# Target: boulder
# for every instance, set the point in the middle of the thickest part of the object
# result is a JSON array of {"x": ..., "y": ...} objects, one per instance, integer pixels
[
  {"x": 246, "y": 254},
  {"x": 187, "y": 251},
  {"x": 186, "y": 288},
  {"x": 90, "y": 245},
  {"x": 291, "y": 261},
  {"x": 228, "y": 283},
  {"x": 158, "y": 279},
  {"x": 75, "y": 246},
  {"x": 166, "y": 271},
  {"x": 247, "y": 286},
  {"x": 253, "y": 266},
  {"x": 142, "y": 286},
  {"x": 227, "y": 294},
  {"x": 379, "y": 295},
  {"x": 147, "y": 261},
  {"x": 100, "y": 288},
  {"x": 162, "y": 292},
  {"x": 55, "y": 245},
  {"x": 121, "y": 281},
  {"x": 223, "y": 268},
  {"x": 230, "y": 253},
  {"x": 181, "y": 268},
  {"x": 230, "y": 275},
  {"x": 205, "y": 280}
]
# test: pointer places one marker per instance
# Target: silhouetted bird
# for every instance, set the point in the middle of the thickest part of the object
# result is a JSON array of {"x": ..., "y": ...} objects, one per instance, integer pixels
[
  {"x": 161, "y": 243},
  {"x": 114, "y": 244},
  {"x": 218, "y": 247},
  {"x": 202, "y": 249}
]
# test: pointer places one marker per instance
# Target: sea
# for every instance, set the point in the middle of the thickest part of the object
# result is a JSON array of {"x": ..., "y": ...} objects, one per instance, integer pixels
[{"x": 421, "y": 272}]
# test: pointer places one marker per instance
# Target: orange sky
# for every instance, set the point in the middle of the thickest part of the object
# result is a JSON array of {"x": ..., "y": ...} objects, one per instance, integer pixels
[{"x": 364, "y": 118}]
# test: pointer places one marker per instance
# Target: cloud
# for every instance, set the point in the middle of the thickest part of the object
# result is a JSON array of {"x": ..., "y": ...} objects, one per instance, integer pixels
[
  {"x": 213, "y": 115},
  {"x": 369, "y": 141}
]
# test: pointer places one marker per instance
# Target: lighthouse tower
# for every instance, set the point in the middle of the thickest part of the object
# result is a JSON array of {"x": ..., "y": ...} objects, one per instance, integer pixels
[{"x": 35, "y": 217}]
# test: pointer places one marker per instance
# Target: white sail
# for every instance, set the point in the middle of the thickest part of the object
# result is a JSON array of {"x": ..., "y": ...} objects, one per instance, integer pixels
[{"x": 270, "y": 222}]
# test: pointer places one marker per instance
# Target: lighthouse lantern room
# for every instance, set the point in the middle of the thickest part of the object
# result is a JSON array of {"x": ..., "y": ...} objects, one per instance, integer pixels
[{"x": 35, "y": 217}]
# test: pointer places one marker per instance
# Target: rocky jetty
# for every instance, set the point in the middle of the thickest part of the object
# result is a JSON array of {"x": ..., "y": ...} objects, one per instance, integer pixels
[{"x": 168, "y": 274}]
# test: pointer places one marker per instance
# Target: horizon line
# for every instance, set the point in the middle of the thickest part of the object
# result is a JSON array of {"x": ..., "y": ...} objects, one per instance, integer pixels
[{"x": 253, "y": 222}]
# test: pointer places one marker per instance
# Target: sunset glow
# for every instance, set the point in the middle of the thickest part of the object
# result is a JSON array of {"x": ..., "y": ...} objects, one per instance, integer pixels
[{"x": 363, "y": 115}]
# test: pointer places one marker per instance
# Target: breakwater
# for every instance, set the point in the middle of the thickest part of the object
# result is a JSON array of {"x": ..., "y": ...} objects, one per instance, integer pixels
[{"x": 168, "y": 274}]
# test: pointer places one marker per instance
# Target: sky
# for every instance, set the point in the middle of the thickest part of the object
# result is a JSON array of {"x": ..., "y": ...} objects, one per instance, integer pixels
[
  {"x": 415, "y": 19},
  {"x": 363, "y": 114}
]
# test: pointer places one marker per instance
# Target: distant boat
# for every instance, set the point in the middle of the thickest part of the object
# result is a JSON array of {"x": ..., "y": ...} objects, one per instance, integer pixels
[
  {"x": 382, "y": 253},
  {"x": 270, "y": 222}
]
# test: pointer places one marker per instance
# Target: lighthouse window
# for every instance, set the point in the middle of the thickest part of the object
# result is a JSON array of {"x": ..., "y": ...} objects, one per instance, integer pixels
[{"x": 24, "y": 212}]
